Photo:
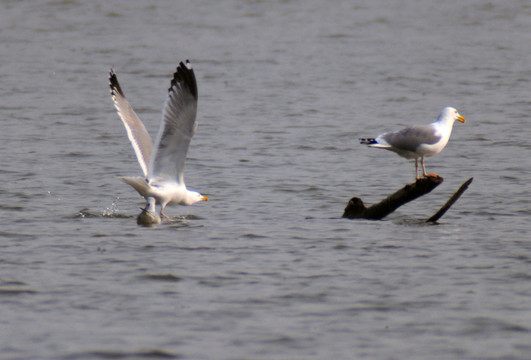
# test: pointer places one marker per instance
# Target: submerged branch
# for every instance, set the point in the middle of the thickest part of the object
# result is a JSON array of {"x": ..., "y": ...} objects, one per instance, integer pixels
[{"x": 450, "y": 201}]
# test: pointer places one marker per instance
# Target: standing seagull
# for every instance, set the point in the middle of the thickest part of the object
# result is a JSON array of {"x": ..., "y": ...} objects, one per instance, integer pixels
[
  {"x": 163, "y": 164},
  {"x": 418, "y": 141}
]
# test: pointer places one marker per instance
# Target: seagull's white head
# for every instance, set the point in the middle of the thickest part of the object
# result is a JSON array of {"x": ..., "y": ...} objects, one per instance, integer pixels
[
  {"x": 192, "y": 197},
  {"x": 451, "y": 113}
]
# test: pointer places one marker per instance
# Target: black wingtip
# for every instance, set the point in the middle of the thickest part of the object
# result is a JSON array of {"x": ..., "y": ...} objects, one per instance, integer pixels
[
  {"x": 184, "y": 76},
  {"x": 114, "y": 84},
  {"x": 368, "y": 141}
]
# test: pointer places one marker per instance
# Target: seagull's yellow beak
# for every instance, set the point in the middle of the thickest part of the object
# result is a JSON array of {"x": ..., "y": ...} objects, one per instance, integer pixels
[
  {"x": 204, "y": 198},
  {"x": 460, "y": 118}
]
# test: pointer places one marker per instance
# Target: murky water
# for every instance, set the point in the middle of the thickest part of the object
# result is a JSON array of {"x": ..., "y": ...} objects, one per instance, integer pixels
[{"x": 267, "y": 268}]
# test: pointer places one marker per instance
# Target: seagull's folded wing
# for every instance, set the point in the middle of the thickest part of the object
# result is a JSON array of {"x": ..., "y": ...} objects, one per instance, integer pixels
[{"x": 410, "y": 138}]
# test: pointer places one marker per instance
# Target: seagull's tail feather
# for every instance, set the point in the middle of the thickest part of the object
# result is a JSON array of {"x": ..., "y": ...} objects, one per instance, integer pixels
[
  {"x": 377, "y": 143},
  {"x": 368, "y": 141},
  {"x": 139, "y": 183}
]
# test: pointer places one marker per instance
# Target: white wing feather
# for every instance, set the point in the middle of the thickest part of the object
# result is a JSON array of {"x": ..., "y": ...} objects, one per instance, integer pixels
[
  {"x": 177, "y": 127},
  {"x": 136, "y": 131}
]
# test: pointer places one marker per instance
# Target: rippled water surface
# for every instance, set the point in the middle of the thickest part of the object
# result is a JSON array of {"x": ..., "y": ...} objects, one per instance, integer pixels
[{"x": 266, "y": 269}]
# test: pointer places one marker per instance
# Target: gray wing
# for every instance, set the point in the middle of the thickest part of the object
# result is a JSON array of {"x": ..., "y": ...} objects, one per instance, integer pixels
[
  {"x": 177, "y": 127},
  {"x": 136, "y": 131},
  {"x": 412, "y": 137}
]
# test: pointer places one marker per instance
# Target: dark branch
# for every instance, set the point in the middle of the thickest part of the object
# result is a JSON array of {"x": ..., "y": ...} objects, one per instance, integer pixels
[
  {"x": 357, "y": 210},
  {"x": 450, "y": 201}
]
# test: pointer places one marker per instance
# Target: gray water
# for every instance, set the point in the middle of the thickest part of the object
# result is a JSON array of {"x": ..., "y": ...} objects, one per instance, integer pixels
[{"x": 266, "y": 269}]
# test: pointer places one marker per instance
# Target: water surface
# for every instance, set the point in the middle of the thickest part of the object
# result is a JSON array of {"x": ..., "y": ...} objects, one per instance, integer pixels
[{"x": 267, "y": 268}]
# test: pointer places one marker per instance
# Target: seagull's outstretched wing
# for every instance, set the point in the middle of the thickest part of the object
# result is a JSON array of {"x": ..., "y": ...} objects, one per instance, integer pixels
[
  {"x": 136, "y": 131},
  {"x": 177, "y": 127}
]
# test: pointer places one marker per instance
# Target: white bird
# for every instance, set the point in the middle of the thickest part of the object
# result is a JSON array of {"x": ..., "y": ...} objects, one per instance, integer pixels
[
  {"x": 418, "y": 141},
  {"x": 163, "y": 164}
]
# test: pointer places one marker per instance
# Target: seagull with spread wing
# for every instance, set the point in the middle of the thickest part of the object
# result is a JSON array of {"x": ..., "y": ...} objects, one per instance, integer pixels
[
  {"x": 418, "y": 141},
  {"x": 163, "y": 164}
]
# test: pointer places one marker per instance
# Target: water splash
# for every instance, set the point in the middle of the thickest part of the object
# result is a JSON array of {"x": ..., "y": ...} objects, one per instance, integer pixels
[{"x": 112, "y": 211}]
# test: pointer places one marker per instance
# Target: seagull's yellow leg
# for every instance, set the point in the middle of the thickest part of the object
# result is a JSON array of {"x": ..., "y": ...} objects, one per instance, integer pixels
[
  {"x": 162, "y": 214},
  {"x": 424, "y": 169}
]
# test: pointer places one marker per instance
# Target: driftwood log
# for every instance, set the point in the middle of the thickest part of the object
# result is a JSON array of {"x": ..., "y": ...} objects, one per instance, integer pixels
[{"x": 356, "y": 209}]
